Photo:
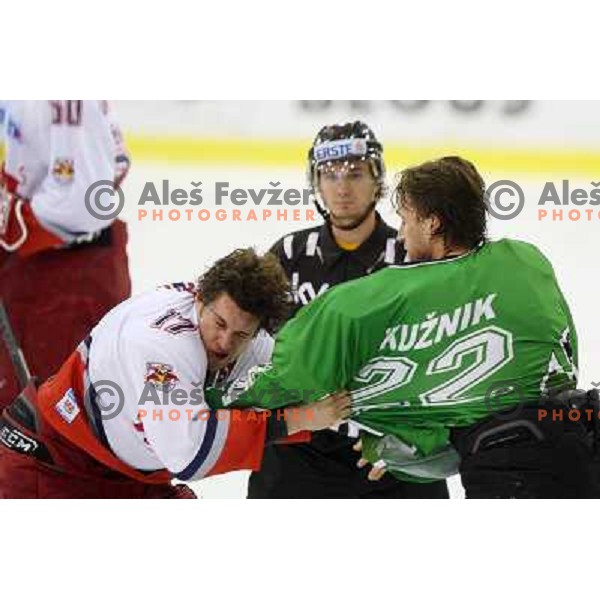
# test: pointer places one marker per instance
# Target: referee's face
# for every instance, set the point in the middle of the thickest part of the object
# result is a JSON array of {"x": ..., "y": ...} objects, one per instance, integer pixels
[{"x": 348, "y": 190}]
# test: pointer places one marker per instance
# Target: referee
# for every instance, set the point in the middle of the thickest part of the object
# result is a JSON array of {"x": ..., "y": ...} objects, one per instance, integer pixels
[{"x": 346, "y": 170}]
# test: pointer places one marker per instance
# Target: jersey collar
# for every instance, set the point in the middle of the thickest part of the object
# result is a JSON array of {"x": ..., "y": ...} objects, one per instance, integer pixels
[{"x": 367, "y": 253}]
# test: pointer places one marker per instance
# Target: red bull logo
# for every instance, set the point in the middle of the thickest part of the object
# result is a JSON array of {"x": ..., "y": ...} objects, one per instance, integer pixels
[{"x": 161, "y": 375}]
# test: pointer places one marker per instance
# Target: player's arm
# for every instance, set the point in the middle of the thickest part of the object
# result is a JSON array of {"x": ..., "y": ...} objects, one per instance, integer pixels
[
  {"x": 81, "y": 153},
  {"x": 196, "y": 441},
  {"x": 314, "y": 355},
  {"x": 569, "y": 342},
  {"x": 122, "y": 157},
  {"x": 573, "y": 340},
  {"x": 220, "y": 441}
]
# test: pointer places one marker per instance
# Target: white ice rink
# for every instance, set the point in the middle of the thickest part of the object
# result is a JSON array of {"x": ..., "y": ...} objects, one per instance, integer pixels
[{"x": 166, "y": 251}]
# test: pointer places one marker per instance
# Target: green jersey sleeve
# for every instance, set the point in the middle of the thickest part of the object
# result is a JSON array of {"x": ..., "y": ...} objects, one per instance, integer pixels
[{"x": 313, "y": 356}]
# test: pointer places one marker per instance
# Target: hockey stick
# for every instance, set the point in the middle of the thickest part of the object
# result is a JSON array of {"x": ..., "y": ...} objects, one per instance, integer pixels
[{"x": 16, "y": 354}]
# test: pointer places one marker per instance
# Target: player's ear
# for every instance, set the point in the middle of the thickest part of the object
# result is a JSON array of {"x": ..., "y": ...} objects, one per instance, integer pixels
[
  {"x": 200, "y": 305},
  {"x": 435, "y": 225}
]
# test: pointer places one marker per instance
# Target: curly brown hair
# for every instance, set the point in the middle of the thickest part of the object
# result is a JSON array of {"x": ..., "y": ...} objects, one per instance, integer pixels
[
  {"x": 451, "y": 188},
  {"x": 257, "y": 284}
]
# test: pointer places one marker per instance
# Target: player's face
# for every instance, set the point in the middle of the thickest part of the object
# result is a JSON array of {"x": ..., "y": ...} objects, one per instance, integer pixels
[
  {"x": 347, "y": 189},
  {"x": 415, "y": 232},
  {"x": 226, "y": 330}
]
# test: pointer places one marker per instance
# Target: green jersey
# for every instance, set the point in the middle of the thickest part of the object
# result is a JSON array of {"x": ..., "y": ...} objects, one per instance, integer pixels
[{"x": 425, "y": 347}]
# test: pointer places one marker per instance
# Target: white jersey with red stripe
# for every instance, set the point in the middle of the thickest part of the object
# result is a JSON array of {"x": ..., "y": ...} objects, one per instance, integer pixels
[
  {"x": 54, "y": 151},
  {"x": 149, "y": 349}
]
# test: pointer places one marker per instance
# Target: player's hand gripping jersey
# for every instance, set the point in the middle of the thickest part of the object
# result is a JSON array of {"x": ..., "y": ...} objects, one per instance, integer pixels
[
  {"x": 425, "y": 347},
  {"x": 55, "y": 150}
]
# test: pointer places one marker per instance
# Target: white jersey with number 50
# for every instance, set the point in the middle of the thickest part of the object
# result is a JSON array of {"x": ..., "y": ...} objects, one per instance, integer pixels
[{"x": 54, "y": 151}]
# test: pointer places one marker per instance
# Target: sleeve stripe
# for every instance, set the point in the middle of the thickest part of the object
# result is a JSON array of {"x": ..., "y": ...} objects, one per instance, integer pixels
[
  {"x": 390, "y": 251},
  {"x": 311, "y": 243},
  {"x": 287, "y": 245},
  {"x": 212, "y": 442}
]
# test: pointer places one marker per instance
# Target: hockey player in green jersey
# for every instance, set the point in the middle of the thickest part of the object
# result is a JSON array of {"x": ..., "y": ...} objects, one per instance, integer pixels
[{"x": 450, "y": 358}]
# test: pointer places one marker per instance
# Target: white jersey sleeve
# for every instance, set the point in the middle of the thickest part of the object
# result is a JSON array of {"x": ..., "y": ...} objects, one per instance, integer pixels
[
  {"x": 55, "y": 150},
  {"x": 176, "y": 421}
]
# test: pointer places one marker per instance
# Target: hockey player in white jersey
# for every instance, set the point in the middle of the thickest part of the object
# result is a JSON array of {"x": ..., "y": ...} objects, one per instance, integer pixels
[
  {"x": 127, "y": 412},
  {"x": 52, "y": 247}
]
